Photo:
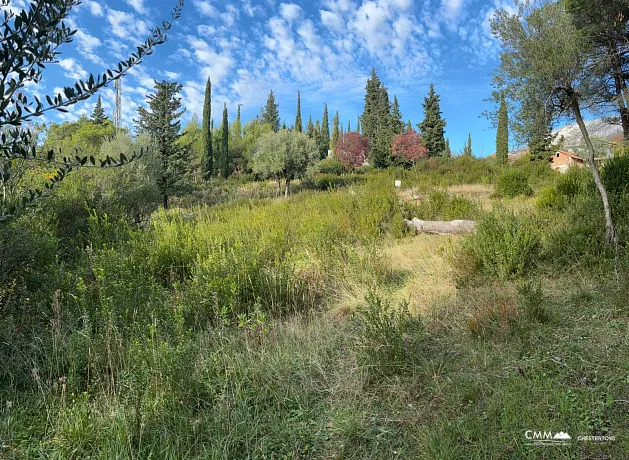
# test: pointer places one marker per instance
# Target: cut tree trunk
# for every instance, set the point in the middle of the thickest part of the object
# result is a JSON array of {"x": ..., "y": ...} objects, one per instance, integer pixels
[
  {"x": 438, "y": 227},
  {"x": 610, "y": 233}
]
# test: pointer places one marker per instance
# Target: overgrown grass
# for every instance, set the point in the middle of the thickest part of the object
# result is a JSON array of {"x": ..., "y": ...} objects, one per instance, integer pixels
[{"x": 313, "y": 327}]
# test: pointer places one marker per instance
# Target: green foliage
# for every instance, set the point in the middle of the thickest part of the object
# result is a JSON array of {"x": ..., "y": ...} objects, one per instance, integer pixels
[
  {"x": 224, "y": 159},
  {"x": 396, "y": 118},
  {"x": 161, "y": 122},
  {"x": 31, "y": 40},
  {"x": 615, "y": 175},
  {"x": 331, "y": 165},
  {"x": 389, "y": 337},
  {"x": 98, "y": 116},
  {"x": 206, "y": 132},
  {"x": 271, "y": 114},
  {"x": 330, "y": 181},
  {"x": 376, "y": 122},
  {"x": 299, "y": 125},
  {"x": 82, "y": 135},
  {"x": 566, "y": 188},
  {"x": 433, "y": 126},
  {"x": 336, "y": 133},
  {"x": 502, "y": 134},
  {"x": 513, "y": 182},
  {"x": 442, "y": 206},
  {"x": 504, "y": 245},
  {"x": 467, "y": 148},
  {"x": 324, "y": 139}
]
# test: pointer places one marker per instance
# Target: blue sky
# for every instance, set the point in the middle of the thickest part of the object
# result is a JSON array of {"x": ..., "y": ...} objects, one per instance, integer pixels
[{"x": 324, "y": 48}]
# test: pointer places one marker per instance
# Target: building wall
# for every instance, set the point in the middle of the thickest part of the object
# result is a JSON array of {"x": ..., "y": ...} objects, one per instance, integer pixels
[{"x": 561, "y": 162}]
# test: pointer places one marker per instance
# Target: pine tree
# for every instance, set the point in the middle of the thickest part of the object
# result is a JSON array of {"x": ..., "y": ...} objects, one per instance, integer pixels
[
  {"x": 98, "y": 116},
  {"x": 206, "y": 132},
  {"x": 271, "y": 114},
  {"x": 310, "y": 128},
  {"x": 409, "y": 126},
  {"x": 336, "y": 133},
  {"x": 161, "y": 121},
  {"x": 467, "y": 150},
  {"x": 225, "y": 144},
  {"x": 398, "y": 124},
  {"x": 298, "y": 123},
  {"x": 447, "y": 153},
  {"x": 325, "y": 134},
  {"x": 377, "y": 125},
  {"x": 284, "y": 126},
  {"x": 502, "y": 136},
  {"x": 433, "y": 126}
]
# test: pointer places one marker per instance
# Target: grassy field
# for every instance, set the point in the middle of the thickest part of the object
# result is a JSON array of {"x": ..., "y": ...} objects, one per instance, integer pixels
[{"x": 316, "y": 327}]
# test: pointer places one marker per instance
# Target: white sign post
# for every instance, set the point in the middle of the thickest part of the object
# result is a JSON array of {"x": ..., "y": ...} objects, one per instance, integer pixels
[{"x": 398, "y": 183}]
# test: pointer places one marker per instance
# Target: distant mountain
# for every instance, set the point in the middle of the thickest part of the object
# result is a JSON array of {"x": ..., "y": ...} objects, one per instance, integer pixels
[{"x": 598, "y": 129}]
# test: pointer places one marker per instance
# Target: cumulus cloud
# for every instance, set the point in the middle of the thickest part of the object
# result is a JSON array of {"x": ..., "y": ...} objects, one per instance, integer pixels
[{"x": 137, "y": 5}]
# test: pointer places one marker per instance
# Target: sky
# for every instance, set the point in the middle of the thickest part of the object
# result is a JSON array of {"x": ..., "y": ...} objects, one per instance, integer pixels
[{"x": 324, "y": 48}]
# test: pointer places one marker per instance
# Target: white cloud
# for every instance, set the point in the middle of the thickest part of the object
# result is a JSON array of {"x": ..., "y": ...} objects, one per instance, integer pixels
[
  {"x": 73, "y": 69},
  {"x": 205, "y": 8},
  {"x": 332, "y": 20},
  {"x": 172, "y": 75},
  {"x": 126, "y": 25},
  {"x": 94, "y": 7},
  {"x": 290, "y": 11},
  {"x": 137, "y": 5},
  {"x": 217, "y": 66}
]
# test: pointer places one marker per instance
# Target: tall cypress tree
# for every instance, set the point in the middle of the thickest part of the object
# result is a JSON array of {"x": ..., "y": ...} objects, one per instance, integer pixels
[
  {"x": 447, "y": 153},
  {"x": 98, "y": 116},
  {"x": 502, "y": 136},
  {"x": 467, "y": 150},
  {"x": 397, "y": 122},
  {"x": 409, "y": 126},
  {"x": 270, "y": 113},
  {"x": 433, "y": 126},
  {"x": 336, "y": 133},
  {"x": 206, "y": 132},
  {"x": 325, "y": 134},
  {"x": 225, "y": 144},
  {"x": 298, "y": 123},
  {"x": 161, "y": 121},
  {"x": 349, "y": 126},
  {"x": 377, "y": 123},
  {"x": 310, "y": 128}
]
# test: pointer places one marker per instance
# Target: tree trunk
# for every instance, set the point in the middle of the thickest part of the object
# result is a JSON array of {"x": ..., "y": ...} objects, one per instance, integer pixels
[
  {"x": 610, "y": 233},
  {"x": 165, "y": 201},
  {"x": 287, "y": 193},
  {"x": 621, "y": 92},
  {"x": 279, "y": 187}
]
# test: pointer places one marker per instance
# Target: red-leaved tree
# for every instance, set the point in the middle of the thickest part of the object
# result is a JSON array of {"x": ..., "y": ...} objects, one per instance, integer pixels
[
  {"x": 351, "y": 150},
  {"x": 407, "y": 149}
]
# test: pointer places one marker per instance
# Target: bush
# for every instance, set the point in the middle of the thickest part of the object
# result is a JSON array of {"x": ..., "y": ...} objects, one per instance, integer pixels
[
  {"x": 513, "y": 182},
  {"x": 504, "y": 245},
  {"x": 615, "y": 175},
  {"x": 330, "y": 181},
  {"x": 331, "y": 165},
  {"x": 388, "y": 336},
  {"x": 442, "y": 206},
  {"x": 575, "y": 182}
]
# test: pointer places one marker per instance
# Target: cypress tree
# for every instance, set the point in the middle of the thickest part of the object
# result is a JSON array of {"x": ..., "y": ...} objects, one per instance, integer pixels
[
  {"x": 225, "y": 144},
  {"x": 98, "y": 116},
  {"x": 433, "y": 126},
  {"x": 298, "y": 123},
  {"x": 349, "y": 126},
  {"x": 284, "y": 126},
  {"x": 447, "y": 153},
  {"x": 270, "y": 113},
  {"x": 310, "y": 128},
  {"x": 325, "y": 134},
  {"x": 409, "y": 126},
  {"x": 467, "y": 150},
  {"x": 359, "y": 126},
  {"x": 398, "y": 123},
  {"x": 502, "y": 136},
  {"x": 206, "y": 132},
  {"x": 161, "y": 121},
  {"x": 335, "y": 130},
  {"x": 377, "y": 123}
]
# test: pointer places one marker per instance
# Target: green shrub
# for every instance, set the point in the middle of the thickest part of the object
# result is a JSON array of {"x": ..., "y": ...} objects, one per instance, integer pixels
[
  {"x": 388, "y": 336},
  {"x": 615, "y": 175},
  {"x": 504, "y": 245},
  {"x": 331, "y": 165},
  {"x": 330, "y": 181},
  {"x": 442, "y": 206},
  {"x": 575, "y": 182},
  {"x": 513, "y": 182}
]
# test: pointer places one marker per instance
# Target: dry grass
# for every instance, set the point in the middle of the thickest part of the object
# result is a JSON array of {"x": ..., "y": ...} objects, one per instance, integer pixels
[{"x": 479, "y": 193}]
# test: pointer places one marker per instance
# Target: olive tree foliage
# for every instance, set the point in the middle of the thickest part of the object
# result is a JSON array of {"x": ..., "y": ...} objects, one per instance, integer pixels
[
  {"x": 546, "y": 58},
  {"x": 284, "y": 155},
  {"x": 29, "y": 40}
]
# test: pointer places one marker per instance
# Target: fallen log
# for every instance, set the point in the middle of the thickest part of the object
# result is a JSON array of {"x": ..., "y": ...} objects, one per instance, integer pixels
[{"x": 438, "y": 227}]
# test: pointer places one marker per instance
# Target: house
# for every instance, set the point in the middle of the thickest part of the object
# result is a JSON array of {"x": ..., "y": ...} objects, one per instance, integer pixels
[{"x": 562, "y": 160}]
